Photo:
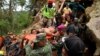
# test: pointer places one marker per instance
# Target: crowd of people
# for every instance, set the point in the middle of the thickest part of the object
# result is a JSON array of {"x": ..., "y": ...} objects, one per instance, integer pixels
[{"x": 61, "y": 33}]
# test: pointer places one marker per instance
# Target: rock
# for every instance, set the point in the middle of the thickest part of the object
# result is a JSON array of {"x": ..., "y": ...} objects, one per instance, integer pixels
[{"x": 94, "y": 25}]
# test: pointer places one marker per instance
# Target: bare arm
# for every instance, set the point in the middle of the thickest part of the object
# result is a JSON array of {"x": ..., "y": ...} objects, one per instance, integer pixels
[{"x": 61, "y": 6}]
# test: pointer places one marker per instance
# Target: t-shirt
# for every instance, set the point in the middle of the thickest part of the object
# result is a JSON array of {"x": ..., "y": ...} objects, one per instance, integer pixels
[{"x": 67, "y": 10}]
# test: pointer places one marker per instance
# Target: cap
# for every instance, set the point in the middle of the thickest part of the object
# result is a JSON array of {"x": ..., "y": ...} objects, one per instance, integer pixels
[
  {"x": 40, "y": 37},
  {"x": 61, "y": 27}
]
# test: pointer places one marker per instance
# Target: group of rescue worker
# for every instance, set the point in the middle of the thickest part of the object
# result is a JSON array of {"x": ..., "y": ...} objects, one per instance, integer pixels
[{"x": 60, "y": 35}]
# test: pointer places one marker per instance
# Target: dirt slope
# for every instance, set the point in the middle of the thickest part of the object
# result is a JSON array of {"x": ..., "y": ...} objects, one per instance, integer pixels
[{"x": 94, "y": 24}]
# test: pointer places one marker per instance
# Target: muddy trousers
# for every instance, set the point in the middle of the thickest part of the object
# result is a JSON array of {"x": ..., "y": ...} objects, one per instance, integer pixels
[{"x": 48, "y": 22}]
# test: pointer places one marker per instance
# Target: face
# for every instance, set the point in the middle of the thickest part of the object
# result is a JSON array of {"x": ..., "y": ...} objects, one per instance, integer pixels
[
  {"x": 33, "y": 32},
  {"x": 68, "y": 18},
  {"x": 50, "y": 5},
  {"x": 42, "y": 43}
]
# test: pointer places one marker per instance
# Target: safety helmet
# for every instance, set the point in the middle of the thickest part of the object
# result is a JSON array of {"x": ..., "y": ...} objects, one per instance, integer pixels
[{"x": 51, "y": 1}]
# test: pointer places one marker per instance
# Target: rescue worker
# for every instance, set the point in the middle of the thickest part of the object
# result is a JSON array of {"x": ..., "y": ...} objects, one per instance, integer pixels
[
  {"x": 40, "y": 47},
  {"x": 66, "y": 10},
  {"x": 48, "y": 12},
  {"x": 73, "y": 22},
  {"x": 74, "y": 45},
  {"x": 7, "y": 41},
  {"x": 31, "y": 36},
  {"x": 14, "y": 48},
  {"x": 58, "y": 36},
  {"x": 58, "y": 18}
]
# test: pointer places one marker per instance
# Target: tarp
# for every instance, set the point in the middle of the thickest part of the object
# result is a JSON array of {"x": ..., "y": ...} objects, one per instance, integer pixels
[{"x": 30, "y": 37}]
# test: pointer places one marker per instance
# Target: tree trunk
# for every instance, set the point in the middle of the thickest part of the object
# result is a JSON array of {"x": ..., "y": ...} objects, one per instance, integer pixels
[{"x": 10, "y": 14}]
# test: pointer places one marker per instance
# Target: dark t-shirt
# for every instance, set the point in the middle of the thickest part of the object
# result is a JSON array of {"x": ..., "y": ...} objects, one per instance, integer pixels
[{"x": 75, "y": 46}]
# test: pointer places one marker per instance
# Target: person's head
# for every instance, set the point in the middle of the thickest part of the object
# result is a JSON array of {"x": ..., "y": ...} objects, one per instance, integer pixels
[
  {"x": 70, "y": 30},
  {"x": 61, "y": 29},
  {"x": 58, "y": 18},
  {"x": 33, "y": 31},
  {"x": 80, "y": 12},
  {"x": 76, "y": 21},
  {"x": 11, "y": 34},
  {"x": 50, "y": 3},
  {"x": 66, "y": 5},
  {"x": 42, "y": 43},
  {"x": 41, "y": 39},
  {"x": 69, "y": 17}
]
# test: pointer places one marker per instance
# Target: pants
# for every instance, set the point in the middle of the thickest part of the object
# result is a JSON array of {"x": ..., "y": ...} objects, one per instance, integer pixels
[{"x": 47, "y": 22}]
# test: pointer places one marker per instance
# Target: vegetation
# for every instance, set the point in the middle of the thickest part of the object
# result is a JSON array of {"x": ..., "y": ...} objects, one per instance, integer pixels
[{"x": 13, "y": 20}]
